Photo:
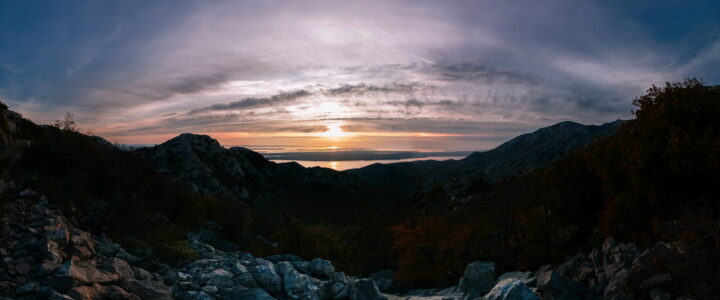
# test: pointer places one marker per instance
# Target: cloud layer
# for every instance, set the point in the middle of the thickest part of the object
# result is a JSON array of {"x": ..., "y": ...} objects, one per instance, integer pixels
[{"x": 138, "y": 72}]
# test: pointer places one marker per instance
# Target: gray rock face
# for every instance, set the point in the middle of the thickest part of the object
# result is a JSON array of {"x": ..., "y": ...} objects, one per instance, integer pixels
[
  {"x": 525, "y": 277},
  {"x": 603, "y": 273},
  {"x": 297, "y": 286},
  {"x": 147, "y": 289},
  {"x": 479, "y": 277},
  {"x": 193, "y": 295},
  {"x": 511, "y": 289},
  {"x": 258, "y": 278},
  {"x": 251, "y": 294},
  {"x": 120, "y": 268},
  {"x": 84, "y": 272},
  {"x": 267, "y": 278},
  {"x": 321, "y": 268},
  {"x": 220, "y": 278},
  {"x": 46, "y": 258},
  {"x": 199, "y": 162}
]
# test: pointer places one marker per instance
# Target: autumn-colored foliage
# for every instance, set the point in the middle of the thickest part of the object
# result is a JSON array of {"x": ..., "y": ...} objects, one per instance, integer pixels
[
  {"x": 430, "y": 251},
  {"x": 656, "y": 179}
]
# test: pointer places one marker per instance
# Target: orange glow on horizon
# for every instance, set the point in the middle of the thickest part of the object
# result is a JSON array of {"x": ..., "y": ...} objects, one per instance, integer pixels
[{"x": 334, "y": 130}]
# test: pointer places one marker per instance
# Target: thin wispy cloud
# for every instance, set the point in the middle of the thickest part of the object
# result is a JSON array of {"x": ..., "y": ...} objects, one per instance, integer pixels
[{"x": 135, "y": 68}]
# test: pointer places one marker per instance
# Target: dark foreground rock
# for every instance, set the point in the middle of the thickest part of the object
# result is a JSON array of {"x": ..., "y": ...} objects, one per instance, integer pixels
[
  {"x": 238, "y": 275},
  {"x": 43, "y": 257},
  {"x": 614, "y": 271}
]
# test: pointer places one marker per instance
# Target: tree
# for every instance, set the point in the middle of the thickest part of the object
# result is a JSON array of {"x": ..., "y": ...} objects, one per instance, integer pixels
[{"x": 67, "y": 124}]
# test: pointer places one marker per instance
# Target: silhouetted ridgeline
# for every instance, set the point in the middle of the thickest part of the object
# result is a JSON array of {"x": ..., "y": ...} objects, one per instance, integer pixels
[{"x": 532, "y": 201}]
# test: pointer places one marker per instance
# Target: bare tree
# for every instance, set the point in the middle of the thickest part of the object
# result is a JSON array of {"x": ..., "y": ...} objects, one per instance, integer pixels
[{"x": 67, "y": 124}]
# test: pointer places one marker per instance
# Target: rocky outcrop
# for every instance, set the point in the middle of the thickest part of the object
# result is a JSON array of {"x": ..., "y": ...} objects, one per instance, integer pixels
[
  {"x": 479, "y": 277},
  {"x": 238, "y": 275},
  {"x": 200, "y": 163},
  {"x": 614, "y": 271},
  {"x": 44, "y": 257},
  {"x": 511, "y": 289}
]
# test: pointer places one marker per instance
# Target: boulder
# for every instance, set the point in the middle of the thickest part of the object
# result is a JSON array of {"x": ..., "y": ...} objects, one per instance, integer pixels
[
  {"x": 118, "y": 267},
  {"x": 321, "y": 268},
  {"x": 141, "y": 273},
  {"x": 479, "y": 277},
  {"x": 247, "y": 294},
  {"x": 84, "y": 272},
  {"x": 246, "y": 280},
  {"x": 61, "y": 236},
  {"x": 108, "y": 248},
  {"x": 221, "y": 278},
  {"x": 451, "y": 293},
  {"x": 147, "y": 289},
  {"x": 522, "y": 276},
  {"x": 85, "y": 292},
  {"x": 339, "y": 290},
  {"x": 267, "y": 278},
  {"x": 98, "y": 291},
  {"x": 193, "y": 295},
  {"x": 365, "y": 289},
  {"x": 210, "y": 289},
  {"x": 115, "y": 292},
  {"x": 262, "y": 262},
  {"x": 301, "y": 266},
  {"x": 237, "y": 268},
  {"x": 511, "y": 289},
  {"x": 297, "y": 286}
]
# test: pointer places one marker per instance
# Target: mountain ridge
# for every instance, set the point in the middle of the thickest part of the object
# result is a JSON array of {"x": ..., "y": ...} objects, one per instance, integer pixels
[{"x": 514, "y": 157}]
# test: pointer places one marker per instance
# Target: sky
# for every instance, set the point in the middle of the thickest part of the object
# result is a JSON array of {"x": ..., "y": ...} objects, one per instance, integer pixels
[{"x": 420, "y": 75}]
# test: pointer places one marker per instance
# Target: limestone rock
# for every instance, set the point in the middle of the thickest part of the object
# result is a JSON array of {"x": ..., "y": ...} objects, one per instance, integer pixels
[
  {"x": 511, "y": 289},
  {"x": 479, "y": 277}
]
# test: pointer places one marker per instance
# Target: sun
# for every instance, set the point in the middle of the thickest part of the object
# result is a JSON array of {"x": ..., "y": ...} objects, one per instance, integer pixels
[{"x": 334, "y": 130}]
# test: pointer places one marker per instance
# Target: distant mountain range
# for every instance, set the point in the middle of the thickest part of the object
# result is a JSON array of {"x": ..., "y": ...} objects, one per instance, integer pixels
[
  {"x": 202, "y": 164},
  {"x": 344, "y": 155},
  {"x": 515, "y": 157}
]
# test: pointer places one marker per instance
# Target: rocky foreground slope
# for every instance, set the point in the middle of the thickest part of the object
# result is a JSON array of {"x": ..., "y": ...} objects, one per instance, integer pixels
[
  {"x": 45, "y": 257},
  {"x": 615, "y": 271}
]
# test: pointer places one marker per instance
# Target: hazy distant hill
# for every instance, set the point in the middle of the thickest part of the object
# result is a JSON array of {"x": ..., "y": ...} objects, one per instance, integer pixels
[
  {"x": 515, "y": 157},
  {"x": 204, "y": 166}
]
